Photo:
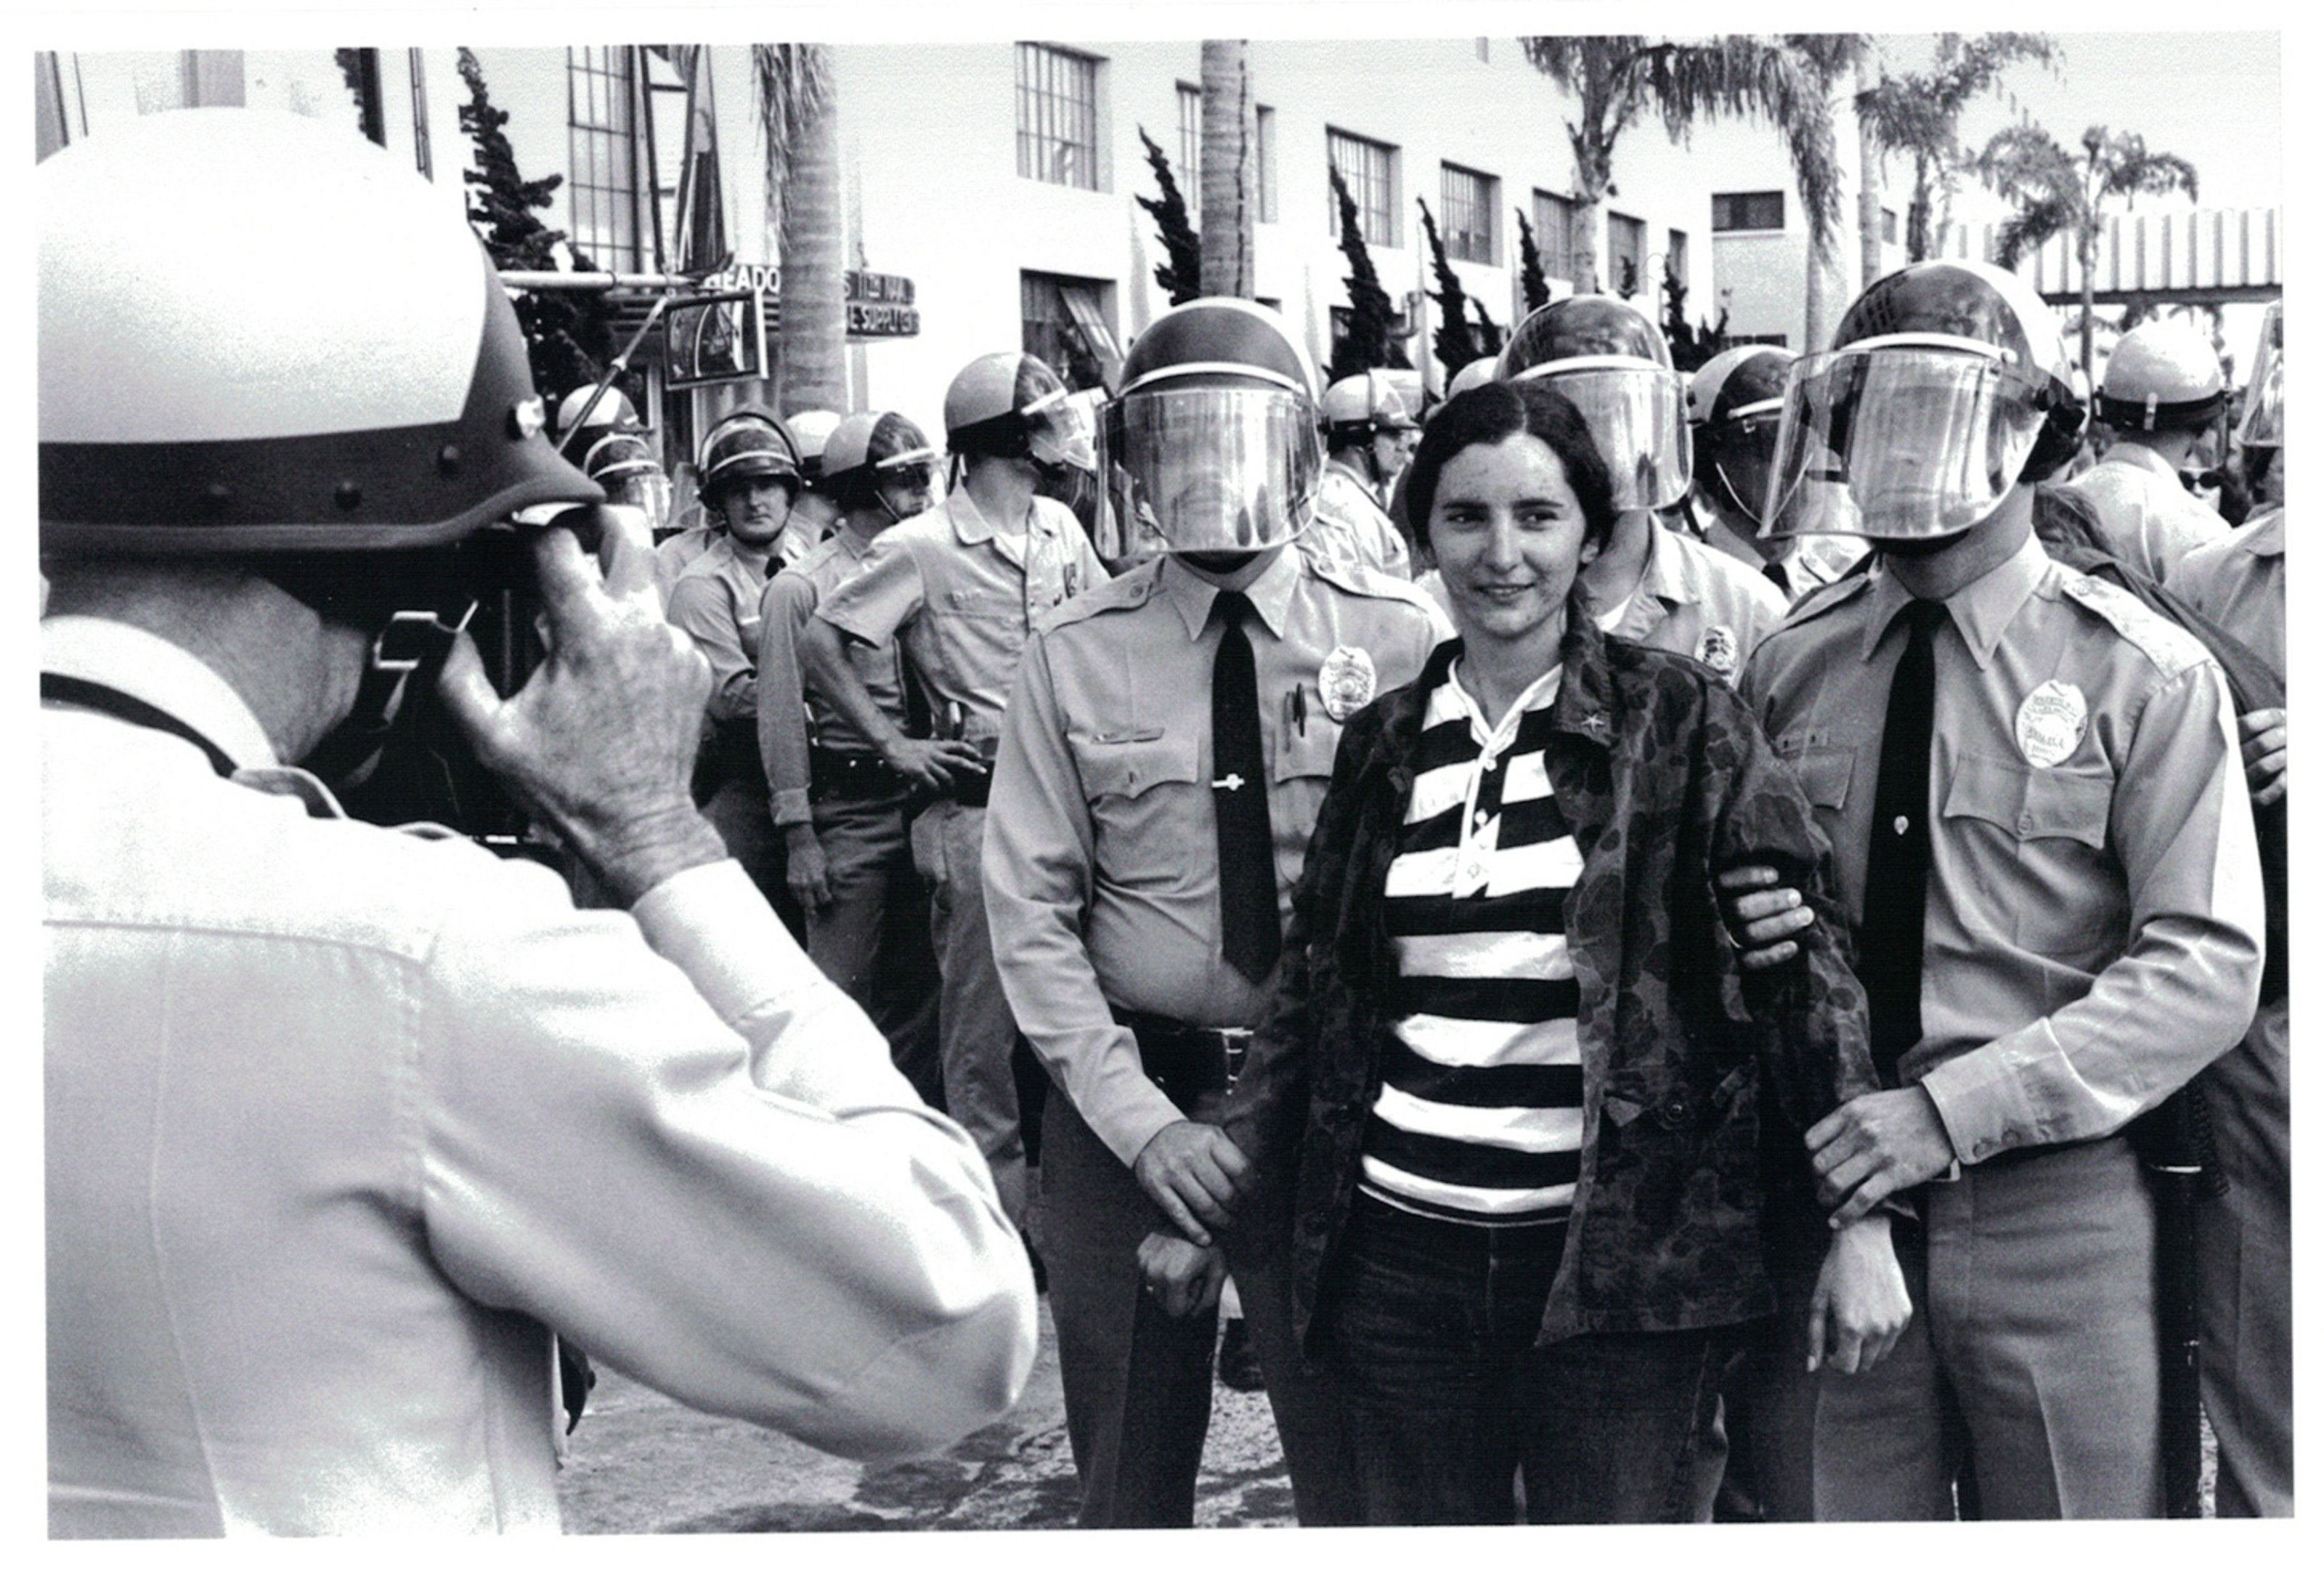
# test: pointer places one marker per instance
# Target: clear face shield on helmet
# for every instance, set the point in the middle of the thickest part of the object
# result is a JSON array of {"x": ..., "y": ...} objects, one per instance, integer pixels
[
  {"x": 2261, "y": 426},
  {"x": 1637, "y": 411},
  {"x": 1740, "y": 455},
  {"x": 1061, "y": 430},
  {"x": 1214, "y": 469},
  {"x": 1906, "y": 437}
]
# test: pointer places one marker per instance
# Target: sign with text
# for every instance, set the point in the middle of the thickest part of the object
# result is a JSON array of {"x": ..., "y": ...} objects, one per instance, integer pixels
[{"x": 879, "y": 304}]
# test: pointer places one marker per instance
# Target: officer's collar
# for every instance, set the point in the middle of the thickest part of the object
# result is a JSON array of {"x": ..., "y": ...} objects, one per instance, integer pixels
[
  {"x": 1269, "y": 594},
  {"x": 168, "y": 676},
  {"x": 1669, "y": 573},
  {"x": 2140, "y": 456},
  {"x": 1981, "y": 610},
  {"x": 970, "y": 527}
]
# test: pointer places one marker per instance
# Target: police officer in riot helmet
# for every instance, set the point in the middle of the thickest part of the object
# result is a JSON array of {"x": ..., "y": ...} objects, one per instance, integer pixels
[
  {"x": 2162, "y": 395},
  {"x": 346, "y": 1126},
  {"x": 1659, "y": 587},
  {"x": 1733, "y": 403},
  {"x": 2044, "y": 846},
  {"x": 1369, "y": 436}
]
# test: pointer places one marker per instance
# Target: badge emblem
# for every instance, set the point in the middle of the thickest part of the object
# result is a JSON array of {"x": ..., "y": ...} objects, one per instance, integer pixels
[
  {"x": 2051, "y": 723},
  {"x": 1347, "y": 681},
  {"x": 1716, "y": 648}
]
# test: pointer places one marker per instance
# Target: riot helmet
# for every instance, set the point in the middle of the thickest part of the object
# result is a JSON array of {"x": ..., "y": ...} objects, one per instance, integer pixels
[
  {"x": 1734, "y": 405},
  {"x": 1211, "y": 445},
  {"x": 1475, "y": 374},
  {"x": 1608, "y": 357},
  {"x": 1947, "y": 385},
  {"x": 876, "y": 454},
  {"x": 748, "y": 444},
  {"x": 2163, "y": 376},
  {"x": 809, "y": 430},
  {"x": 625, "y": 464},
  {"x": 1012, "y": 405}
]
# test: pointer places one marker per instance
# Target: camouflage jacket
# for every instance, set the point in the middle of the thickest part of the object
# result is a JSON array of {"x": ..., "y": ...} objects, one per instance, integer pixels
[{"x": 1698, "y": 1077}]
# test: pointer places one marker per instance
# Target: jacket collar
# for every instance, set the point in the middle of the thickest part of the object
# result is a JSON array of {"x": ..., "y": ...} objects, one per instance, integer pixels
[
  {"x": 147, "y": 666},
  {"x": 1584, "y": 709}
]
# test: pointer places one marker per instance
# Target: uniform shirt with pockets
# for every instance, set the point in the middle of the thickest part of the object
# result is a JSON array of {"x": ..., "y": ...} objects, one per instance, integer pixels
[
  {"x": 2149, "y": 518},
  {"x": 2094, "y": 917},
  {"x": 796, "y": 710},
  {"x": 1100, "y": 865},
  {"x": 341, "y": 1121},
  {"x": 1699, "y": 601},
  {"x": 715, "y": 600},
  {"x": 963, "y": 596}
]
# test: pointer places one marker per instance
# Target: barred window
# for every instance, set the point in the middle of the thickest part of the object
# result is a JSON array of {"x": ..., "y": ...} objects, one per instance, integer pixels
[
  {"x": 1469, "y": 199},
  {"x": 601, "y": 98},
  {"x": 1057, "y": 115},
  {"x": 1747, "y": 210},
  {"x": 1552, "y": 229},
  {"x": 1370, "y": 169},
  {"x": 1068, "y": 323},
  {"x": 1190, "y": 140}
]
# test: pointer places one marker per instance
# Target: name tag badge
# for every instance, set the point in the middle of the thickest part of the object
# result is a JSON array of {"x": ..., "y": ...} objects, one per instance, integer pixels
[
  {"x": 2051, "y": 723},
  {"x": 1347, "y": 681}
]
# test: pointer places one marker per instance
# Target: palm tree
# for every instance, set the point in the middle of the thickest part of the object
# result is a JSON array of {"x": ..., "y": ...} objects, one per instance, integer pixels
[
  {"x": 1227, "y": 196},
  {"x": 1918, "y": 113},
  {"x": 1619, "y": 78},
  {"x": 798, "y": 122},
  {"x": 2055, "y": 193}
]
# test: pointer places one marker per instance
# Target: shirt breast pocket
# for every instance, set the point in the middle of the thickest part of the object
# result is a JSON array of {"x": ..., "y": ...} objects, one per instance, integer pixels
[
  {"x": 2038, "y": 851},
  {"x": 1140, "y": 792},
  {"x": 1824, "y": 774}
]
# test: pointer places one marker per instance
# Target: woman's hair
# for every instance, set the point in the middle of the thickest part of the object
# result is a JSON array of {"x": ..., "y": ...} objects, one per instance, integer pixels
[
  {"x": 2062, "y": 517},
  {"x": 1493, "y": 413}
]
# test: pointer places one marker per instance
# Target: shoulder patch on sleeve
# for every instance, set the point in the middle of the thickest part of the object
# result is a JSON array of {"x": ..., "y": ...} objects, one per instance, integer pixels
[
  {"x": 2171, "y": 648},
  {"x": 1124, "y": 591}
]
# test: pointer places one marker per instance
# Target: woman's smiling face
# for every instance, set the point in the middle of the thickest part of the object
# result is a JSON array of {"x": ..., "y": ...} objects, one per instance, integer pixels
[{"x": 1508, "y": 533}]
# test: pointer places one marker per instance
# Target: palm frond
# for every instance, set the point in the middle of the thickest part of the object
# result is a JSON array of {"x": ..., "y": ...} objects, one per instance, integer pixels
[
  {"x": 792, "y": 82},
  {"x": 2026, "y": 229}
]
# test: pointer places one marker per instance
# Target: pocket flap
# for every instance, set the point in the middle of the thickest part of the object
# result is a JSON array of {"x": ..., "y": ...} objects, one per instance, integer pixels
[
  {"x": 1823, "y": 775},
  {"x": 2031, "y": 803},
  {"x": 1128, "y": 767}
]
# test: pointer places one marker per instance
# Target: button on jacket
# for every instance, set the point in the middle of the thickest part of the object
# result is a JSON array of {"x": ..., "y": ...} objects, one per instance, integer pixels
[
  {"x": 715, "y": 600},
  {"x": 1664, "y": 778},
  {"x": 1100, "y": 865},
  {"x": 2150, "y": 519},
  {"x": 796, "y": 711},
  {"x": 1699, "y": 601},
  {"x": 340, "y": 1121},
  {"x": 2094, "y": 909},
  {"x": 964, "y": 597}
]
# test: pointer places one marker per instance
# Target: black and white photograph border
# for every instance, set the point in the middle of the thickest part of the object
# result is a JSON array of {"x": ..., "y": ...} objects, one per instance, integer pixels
[{"x": 1420, "y": 79}]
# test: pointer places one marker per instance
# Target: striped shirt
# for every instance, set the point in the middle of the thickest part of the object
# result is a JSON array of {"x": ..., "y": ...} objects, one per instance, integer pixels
[{"x": 1479, "y": 1117}]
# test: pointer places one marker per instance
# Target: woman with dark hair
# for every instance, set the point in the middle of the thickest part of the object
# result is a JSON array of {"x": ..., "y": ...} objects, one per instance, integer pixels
[{"x": 1536, "y": 1097}]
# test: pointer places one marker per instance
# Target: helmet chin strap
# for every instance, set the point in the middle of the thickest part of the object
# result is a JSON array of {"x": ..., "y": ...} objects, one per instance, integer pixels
[{"x": 410, "y": 640}]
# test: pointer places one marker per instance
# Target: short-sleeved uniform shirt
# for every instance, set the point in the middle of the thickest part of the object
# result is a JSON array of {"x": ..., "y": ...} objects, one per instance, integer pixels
[
  {"x": 1352, "y": 529},
  {"x": 795, "y": 711},
  {"x": 962, "y": 597},
  {"x": 1101, "y": 863},
  {"x": 1699, "y": 602},
  {"x": 2093, "y": 914},
  {"x": 715, "y": 600},
  {"x": 2149, "y": 520}
]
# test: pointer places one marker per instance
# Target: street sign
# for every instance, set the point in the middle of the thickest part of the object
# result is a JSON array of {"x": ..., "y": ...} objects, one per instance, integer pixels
[{"x": 879, "y": 304}]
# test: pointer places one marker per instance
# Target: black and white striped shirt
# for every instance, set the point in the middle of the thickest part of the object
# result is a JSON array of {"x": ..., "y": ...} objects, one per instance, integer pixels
[{"x": 1479, "y": 1117}]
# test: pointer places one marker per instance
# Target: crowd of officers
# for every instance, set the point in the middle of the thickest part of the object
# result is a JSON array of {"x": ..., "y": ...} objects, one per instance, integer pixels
[{"x": 1023, "y": 729}]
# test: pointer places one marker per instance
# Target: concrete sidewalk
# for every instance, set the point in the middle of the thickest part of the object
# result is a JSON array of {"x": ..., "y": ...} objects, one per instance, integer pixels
[{"x": 642, "y": 1463}]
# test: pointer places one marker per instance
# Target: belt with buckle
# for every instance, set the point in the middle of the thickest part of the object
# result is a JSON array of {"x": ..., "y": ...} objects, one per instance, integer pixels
[
  {"x": 833, "y": 774},
  {"x": 1186, "y": 1062}
]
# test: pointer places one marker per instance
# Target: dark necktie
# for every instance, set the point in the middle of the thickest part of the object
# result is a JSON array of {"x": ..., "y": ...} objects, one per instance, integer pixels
[
  {"x": 1896, "y": 871},
  {"x": 1249, "y": 930}
]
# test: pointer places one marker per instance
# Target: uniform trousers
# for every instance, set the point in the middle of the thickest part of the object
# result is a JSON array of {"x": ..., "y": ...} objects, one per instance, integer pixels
[
  {"x": 2032, "y": 1351},
  {"x": 872, "y": 937},
  {"x": 978, "y": 1034},
  {"x": 2242, "y": 1254},
  {"x": 739, "y": 810}
]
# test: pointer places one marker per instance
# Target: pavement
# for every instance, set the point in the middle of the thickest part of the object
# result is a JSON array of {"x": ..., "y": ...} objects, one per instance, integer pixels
[{"x": 642, "y": 1464}]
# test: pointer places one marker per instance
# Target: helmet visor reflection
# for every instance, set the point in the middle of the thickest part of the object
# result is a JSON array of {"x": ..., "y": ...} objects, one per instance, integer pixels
[
  {"x": 1208, "y": 470},
  {"x": 1900, "y": 443},
  {"x": 1061, "y": 431},
  {"x": 1637, "y": 412}
]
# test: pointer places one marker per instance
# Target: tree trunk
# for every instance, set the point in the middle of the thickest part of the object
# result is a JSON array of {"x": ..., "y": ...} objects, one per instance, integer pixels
[
  {"x": 1227, "y": 195},
  {"x": 1817, "y": 327},
  {"x": 1588, "y": 237},
  {"x": 814, "y": 331},
  {"x": 1868, "y": 181},
  {"x": 2086, "y": 253}
]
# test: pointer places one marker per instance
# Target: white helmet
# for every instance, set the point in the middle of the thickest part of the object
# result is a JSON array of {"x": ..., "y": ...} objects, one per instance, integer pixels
[
  {"x": 2163, "y": 376},
  {"x": 585, "y": 406},
  {"x": 189, "y": 403},
  {"x": 1475, "y": 374},
  {"x": 1357, "y": 408}
]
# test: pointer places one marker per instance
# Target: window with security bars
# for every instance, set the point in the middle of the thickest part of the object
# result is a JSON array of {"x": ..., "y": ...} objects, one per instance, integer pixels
[
  {"x": 1057, "y": 115},
  {"x": 1469, "y": 200},
  {"x": 601, "y": 116},
  {"x": 1553, "y": 232},
  {"x": 1731, "y": 210},
  {"x": 1190, "y": 143},
  {"x": 1068, "y": 323},
  {"x": 1369, "y": 168}
]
